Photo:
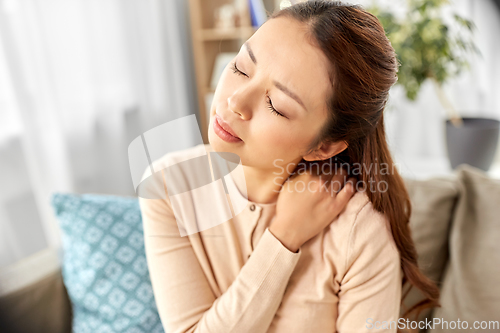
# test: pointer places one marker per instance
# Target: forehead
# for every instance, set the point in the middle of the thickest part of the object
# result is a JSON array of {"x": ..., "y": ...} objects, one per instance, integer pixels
[{"x": 283, "y": 48}]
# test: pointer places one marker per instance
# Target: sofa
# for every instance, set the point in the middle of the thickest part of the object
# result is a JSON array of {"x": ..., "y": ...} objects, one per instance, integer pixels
[{"x": 455, "y": 224}]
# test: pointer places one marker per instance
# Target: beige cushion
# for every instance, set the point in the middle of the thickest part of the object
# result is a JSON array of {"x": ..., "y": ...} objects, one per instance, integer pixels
[
  {"x": 433, "y": 203},
  {"x": 471, "y": 284},
  {"x": 41, "y": 307}
]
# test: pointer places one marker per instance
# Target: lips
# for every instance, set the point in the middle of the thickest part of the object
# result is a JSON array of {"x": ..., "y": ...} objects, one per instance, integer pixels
[{"x": 225, "y": 126}]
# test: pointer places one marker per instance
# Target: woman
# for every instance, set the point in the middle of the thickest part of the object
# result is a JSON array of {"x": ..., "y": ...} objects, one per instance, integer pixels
[{"x": 309, "y": 86}]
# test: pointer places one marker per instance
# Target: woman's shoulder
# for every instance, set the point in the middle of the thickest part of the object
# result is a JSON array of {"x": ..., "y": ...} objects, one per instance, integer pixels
[
  {"x": 181, "y": 155},
  {"x": 360, "y": 215},
  {"x": 360, "y": 229},
  {"x": 172, "y": 158}
]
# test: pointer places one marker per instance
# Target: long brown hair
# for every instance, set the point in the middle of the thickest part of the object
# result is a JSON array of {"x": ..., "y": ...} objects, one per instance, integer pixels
[{"x": 364, "y": 67}]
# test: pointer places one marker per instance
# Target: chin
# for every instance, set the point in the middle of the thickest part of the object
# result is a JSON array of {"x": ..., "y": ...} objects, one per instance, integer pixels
[
  {"x": 215, "y": 142},
  {"x": 218, "y": 144}
]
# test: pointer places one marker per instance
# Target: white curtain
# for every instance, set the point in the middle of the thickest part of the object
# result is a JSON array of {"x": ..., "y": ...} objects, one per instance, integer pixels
[{"x": 79, "y": 80}]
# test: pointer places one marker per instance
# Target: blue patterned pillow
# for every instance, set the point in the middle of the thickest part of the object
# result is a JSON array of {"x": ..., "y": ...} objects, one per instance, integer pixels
[{"x": 104, "y": 264}]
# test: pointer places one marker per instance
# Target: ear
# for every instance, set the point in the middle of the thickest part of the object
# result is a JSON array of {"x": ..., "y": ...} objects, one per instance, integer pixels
[{"x": 325, "y": 151}]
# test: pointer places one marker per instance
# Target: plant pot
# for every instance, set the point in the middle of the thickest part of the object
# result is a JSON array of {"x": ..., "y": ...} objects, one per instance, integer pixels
[{"x": 474, "y": 143}]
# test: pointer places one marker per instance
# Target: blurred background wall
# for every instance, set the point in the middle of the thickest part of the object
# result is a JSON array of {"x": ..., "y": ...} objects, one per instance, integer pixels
[{"x": 80, "y": 79}]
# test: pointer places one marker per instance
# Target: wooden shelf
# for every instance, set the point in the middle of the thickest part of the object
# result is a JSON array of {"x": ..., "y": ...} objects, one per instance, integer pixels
[
  {"x": 226, "y": 34},
  {"x": 208, "y": 42}
]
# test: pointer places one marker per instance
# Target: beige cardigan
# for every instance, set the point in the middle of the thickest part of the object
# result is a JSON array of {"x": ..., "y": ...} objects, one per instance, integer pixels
[{"x": 237, "y": 277}]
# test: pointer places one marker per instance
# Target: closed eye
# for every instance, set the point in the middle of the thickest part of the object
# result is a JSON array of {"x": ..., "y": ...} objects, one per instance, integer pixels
[
  {"x": 271, "y": 107},
  {"x": 237, "y": 71},
  {"x": 269, "y": 102}
]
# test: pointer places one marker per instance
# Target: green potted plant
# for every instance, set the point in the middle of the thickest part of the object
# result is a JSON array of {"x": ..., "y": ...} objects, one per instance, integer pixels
[{"x": 428, "y": 49}]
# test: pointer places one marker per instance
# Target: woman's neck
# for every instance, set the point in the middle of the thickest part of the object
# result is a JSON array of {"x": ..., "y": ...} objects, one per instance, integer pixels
[{"x": 263, "y": 185}]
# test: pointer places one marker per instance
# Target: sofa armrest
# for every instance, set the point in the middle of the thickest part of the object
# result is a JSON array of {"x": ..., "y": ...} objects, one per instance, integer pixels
[{"x": 42, "y": 306}]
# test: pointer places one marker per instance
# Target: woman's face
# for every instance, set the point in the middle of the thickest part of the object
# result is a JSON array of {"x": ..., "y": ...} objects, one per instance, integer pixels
[{"x": 278, "y": 67}]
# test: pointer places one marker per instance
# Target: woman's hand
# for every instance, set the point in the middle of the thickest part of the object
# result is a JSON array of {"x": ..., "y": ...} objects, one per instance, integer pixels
[{"x": 307, "y": 204}]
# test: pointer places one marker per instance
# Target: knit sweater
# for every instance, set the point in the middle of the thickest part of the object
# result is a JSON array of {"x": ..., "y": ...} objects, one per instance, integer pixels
[{"x": 238, "y": 277}]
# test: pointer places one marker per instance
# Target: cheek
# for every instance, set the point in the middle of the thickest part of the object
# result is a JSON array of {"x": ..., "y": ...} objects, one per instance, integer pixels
[
  {"x": 281, "y": 134},
  {"x": 226, "y": 82}
]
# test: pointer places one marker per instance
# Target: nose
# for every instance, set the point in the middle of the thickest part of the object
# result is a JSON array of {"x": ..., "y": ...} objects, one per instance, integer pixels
[
  {"x": 231, "y": 106},
  {"x": 239, "y": 103}
]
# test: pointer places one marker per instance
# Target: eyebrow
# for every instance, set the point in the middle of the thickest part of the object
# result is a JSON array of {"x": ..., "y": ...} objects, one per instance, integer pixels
[
  {"x": 250, "y": 53},
  {"x": 277, "y": 84},
  {"x": 289, "y": 93}
]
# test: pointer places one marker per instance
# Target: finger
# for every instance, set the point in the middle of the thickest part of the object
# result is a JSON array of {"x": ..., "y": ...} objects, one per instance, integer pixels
[
  {"x": 324, "y": 181},
  {"x": 346, "y": 193},
  {"x": 340, "y": 174},
  {"x": 335, "y": 185},
  {"x": 339, "y": 179}
]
